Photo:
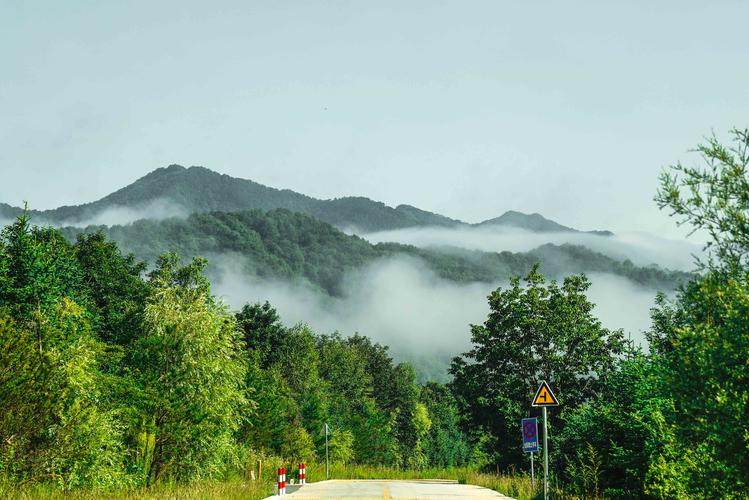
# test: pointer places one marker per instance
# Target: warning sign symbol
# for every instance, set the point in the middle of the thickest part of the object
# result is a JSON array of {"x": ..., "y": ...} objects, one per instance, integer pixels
[{"x": 544, "y": 396}]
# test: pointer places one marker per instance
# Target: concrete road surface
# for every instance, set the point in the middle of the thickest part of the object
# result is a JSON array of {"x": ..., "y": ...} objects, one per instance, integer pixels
[{"x": 376, "y": 489}]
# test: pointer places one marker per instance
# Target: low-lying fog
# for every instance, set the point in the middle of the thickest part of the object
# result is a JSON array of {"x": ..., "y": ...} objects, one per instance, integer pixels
[
  {"x": 401, "y": 303},
  {"x": 121, "y": 215},
  {"x": 641, "y": 248}
]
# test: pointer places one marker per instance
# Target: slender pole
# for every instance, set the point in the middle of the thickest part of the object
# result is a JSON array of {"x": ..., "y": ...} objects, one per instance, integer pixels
[
  {"x": 546, "y": 457},
  {"x": 327, "y": 462},
  {"x": 533, "y": 474}
]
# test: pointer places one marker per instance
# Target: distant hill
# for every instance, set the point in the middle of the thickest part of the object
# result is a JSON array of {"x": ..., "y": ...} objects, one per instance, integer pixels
[
  {"x": 281, "y": 244},
  {"x": 198, "y": 189},
  {"x": 534, "y": 222},
  {"x": 176, "y": 189}
]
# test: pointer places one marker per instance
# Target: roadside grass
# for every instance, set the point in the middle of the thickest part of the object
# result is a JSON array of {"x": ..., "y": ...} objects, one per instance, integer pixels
[
  {"x": 231, "y": 490},
  {"x": 513, "y": 485}
]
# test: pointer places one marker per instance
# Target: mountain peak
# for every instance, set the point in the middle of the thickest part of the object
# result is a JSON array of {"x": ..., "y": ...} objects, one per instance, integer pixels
[
  {"x": 531, "y": 222},
  {"x": 534, "y": 222}
]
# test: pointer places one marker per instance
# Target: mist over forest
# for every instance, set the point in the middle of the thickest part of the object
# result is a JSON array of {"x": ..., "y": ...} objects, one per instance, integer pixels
[
  {"x": 416, "y": 288},
  {"x": 641, "y": 248},
  {"x": 401, "y": 303},
  {"x": 366, "y": 249}
]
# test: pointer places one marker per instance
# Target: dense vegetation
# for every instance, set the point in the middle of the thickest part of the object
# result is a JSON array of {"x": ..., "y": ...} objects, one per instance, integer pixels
[
  {"x": 112, "y": 376},
  {"x": 669, "y": 423},
  {"x": 295, "y": 247}
]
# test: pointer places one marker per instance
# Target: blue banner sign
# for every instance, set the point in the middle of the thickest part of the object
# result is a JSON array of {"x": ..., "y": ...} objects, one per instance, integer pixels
[{"x": 530, "y": 435}]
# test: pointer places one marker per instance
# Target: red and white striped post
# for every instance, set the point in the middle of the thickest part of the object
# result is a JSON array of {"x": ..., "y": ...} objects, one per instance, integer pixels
[
  {"x": 302, "y": 474},
  {"x": 282, "y": 481}
]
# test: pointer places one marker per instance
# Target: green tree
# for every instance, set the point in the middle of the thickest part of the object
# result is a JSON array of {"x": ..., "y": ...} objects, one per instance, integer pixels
[
  {"x": 534, "y": 332},
  {"x": 702, "y": 339},
  {"x": 341, "y": 446},
  {"x": 446, "y": 445},
  {"x": 38, "y": 268},
  {"x": 714, "y": 198},
  {"x": 262, "y": 331},
  {"x": 191, "y": 363},
  {"x": 619, "y": 432},
  {"x": 114, "y": 285},
  {"x": 54, "y": 426},
  {"x": 55, "y": 422},
  {"x": 275, "y": 410}
]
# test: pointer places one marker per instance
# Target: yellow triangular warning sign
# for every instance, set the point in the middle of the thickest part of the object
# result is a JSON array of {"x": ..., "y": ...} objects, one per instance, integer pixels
[{"x": 544, "y": 396}]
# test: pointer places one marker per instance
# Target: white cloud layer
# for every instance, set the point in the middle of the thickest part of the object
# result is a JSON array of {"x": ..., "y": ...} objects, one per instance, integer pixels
[
  {"x": 641, "y": 248},
  {"x": 121, "y": 215},
  {"x": 402, "y": 304}
]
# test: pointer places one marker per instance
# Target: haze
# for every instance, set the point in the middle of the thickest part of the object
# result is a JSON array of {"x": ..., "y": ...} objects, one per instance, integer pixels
[
  {"x": 467, "y": 109},
  {"x": 393, "y": 302}
]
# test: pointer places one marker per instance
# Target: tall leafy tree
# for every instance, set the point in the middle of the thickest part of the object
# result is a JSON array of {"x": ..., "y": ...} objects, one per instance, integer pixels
[
  {"x": 447, "y": 445},
  {"x": 114, "y": 284},
  {"x": 38, "y": 268},
  {"x": 191, "y": 364},
  {"x": 702, "y": 339},
  {"x": 54, "y": 425},
  {"x": 713, "y": 198},
  {"x": 536, "y": 331}
]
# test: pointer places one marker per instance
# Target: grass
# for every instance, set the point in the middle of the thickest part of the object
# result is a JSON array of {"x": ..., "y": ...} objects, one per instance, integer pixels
[
  {"x": 514, "y": 485},
  {"x": 231, "y": 490}
]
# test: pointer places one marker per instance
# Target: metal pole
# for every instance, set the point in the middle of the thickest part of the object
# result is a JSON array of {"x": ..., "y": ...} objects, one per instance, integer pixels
[
  {"x": 546, "y": 457},
  {"x": 533, "y": 475},
  {"x": 327, "y": 462}
]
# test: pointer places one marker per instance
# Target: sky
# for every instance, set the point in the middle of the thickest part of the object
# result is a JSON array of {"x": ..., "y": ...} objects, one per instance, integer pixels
[{"x": 465, "y": 108}]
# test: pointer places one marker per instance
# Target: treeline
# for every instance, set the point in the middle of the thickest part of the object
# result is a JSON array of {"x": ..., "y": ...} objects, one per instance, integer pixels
[
  {"x": 671, "y": 422},
  {"x": 113, "y": 377}
]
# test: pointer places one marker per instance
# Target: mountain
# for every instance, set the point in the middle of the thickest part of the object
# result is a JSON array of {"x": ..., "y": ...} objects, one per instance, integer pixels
[
  {"x": 197, "y": 189},
  {"x": 178, "y": 190},
  {"x": 534, "y": 222},
  {"x": 293, "y": 247}
]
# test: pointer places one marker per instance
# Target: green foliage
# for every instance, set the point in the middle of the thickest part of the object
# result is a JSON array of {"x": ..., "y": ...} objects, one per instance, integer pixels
[
  {"x": 534, "y": 332},
  {"x": 341, "y": 447},
  {"x": 38, "y": 268},
  {"x": 280, "y": 244},
  {"x": 446, "y": 445},
  {"x": 55, "y": 424},
  {"x": 714, "y": 198},
  {"x": 618, "y": 432},
  {"x": 705, "y": 372},
  {"x": 189, "y": 366},
  {"x": 297, "y": 445},
  {"x": 113, "y": 283},
  {"x": 673, "y": 424}
]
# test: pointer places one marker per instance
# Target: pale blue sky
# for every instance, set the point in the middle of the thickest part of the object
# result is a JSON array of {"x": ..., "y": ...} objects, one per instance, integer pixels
[{"x": 464, "y": 108}]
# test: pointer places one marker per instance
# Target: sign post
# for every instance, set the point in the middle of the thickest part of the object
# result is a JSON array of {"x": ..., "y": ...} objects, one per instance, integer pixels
[
  {"x": 530, "y": 442},
  {"x": 544, "y": 398}
]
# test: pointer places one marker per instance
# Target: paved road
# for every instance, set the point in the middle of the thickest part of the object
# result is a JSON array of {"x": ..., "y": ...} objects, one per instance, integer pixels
[{"x": 380, "y": 490}]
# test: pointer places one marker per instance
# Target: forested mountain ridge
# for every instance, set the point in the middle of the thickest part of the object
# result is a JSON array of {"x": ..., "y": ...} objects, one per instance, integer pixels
[
  {"x": 289, "y": 246},
  {"x": 198, "y": 189}
]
